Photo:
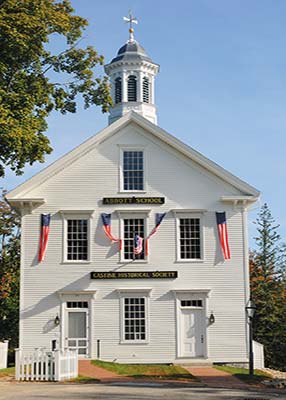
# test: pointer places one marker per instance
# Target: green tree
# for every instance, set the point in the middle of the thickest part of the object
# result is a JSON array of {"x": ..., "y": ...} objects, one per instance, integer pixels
[
  {"x": 268, "y": 289},
  {"x": 9, "y": 272},
  {"x": 34, "y": 81}
]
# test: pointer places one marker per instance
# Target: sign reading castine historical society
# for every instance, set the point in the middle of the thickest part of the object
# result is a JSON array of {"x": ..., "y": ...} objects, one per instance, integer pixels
[{"x": 135, "y": 275}]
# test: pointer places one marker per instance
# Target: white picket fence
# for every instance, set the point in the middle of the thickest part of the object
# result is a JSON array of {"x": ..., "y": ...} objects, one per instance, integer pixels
[
  {"x": 42, "y": 365},
  {"x": 3, "y": 354},
  {"x": 258, "y": 353}
]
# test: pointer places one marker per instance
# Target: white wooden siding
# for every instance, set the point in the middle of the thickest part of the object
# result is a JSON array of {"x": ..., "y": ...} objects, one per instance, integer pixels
[{"x": 184, "y": 184}]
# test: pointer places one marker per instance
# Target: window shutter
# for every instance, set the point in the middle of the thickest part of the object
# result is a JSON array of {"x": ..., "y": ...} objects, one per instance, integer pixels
[
  {"x": 132, "y": 88},
  {"x": 118, "y": 90},
  {"x": 146, "y": 90}
]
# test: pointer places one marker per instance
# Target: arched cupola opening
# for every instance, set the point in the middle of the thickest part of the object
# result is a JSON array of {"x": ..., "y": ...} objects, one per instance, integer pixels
[
  {"x": 118, "y": 91},
  {"x": 146, "y": 90},
  {"x": 132, "y": 88}
]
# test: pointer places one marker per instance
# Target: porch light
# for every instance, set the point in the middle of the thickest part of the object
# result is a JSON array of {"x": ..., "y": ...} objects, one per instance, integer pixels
[
  {"x": 250, "y": 309},
  {"x": 57, "y": 320},
  {"x": 212, "y": 318}
]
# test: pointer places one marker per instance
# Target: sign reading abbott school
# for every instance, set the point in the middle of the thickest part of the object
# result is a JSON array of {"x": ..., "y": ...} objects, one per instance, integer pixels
[
  {"x": 135, "y": 275},
  {"x": 133, "y": 200}
]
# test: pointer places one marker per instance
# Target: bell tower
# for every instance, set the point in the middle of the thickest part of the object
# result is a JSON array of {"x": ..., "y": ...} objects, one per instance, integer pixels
[{"x": 132, "y": 76}]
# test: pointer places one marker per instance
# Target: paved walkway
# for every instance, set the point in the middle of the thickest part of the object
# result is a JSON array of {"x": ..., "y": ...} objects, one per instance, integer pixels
[
  {"x": 86, "y": 368},
  {"x": 214, "y": 378},
  {"x": 206, "y": 374}
]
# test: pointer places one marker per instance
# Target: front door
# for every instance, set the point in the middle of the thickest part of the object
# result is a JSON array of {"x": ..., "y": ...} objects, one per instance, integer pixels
[
  {"x": 77, "y": 327},
  {"x": 192, "y": 329}
]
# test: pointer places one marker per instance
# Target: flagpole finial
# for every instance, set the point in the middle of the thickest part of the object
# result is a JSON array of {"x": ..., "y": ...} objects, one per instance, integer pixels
[{"x": 130, "y": 19}]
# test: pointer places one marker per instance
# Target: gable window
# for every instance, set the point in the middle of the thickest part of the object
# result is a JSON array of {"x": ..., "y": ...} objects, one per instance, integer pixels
[
  {"x": 132, "y": 88},
  {"x": 131, "y": 227},
  {"x": 146, "y": 88},
  {"x": 118, "y": 90},
  {"x": 133, "y": 170},
  {"x": 77, "y": 239}
]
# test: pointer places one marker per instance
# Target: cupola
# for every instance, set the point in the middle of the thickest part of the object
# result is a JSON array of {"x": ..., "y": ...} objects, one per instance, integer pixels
[{"x": 132, "y": 75}]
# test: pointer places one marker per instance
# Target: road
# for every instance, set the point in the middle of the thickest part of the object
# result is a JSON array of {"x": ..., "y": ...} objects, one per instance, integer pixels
[{"x": 52, "y": 391}]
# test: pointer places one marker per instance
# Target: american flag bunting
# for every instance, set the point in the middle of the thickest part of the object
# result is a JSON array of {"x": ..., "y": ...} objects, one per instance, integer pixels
[
  {"x": 223, "y": 234},
  {"x": 44, "y": 235}
]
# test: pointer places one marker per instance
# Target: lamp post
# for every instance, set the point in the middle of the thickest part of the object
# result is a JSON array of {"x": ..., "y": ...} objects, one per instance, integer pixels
[{"x": 250, "y": 310}]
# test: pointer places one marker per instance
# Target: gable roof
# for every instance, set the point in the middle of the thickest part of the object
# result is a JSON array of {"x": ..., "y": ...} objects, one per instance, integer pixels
[{"x": 23, "y": 189}]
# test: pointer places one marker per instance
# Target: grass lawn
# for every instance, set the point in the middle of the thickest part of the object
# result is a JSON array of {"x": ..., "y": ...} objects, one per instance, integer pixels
[
  {"x": 83, "y": 379},
  {"x": 7, "y": 371},
  {"x": 150, "y": 371},
  {"x": 243, "y": 374}
]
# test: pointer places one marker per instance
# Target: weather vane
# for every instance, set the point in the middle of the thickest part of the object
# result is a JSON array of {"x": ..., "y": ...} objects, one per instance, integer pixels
[{"x": 131, "y": 20}]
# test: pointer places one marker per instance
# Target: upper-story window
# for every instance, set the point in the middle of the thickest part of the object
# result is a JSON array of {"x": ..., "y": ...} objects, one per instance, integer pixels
[
  {"x": 118, "y": 90},
  {"x": 190, "y": 235},
  {"x": 190, "y": 238},
  {"x": 146, "y": 90},
  {"x": 132, "y": 227},
  {"x": 133, "y": 170},
  {"x": 77, "y": 239},
  {"x": 132, "y": 88}
]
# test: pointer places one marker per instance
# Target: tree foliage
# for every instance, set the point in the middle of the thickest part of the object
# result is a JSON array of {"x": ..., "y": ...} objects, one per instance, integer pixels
[
  {"x": 9, "y": 272},
  {"x": 34, "y": 80},
  {"x": 267, "y": 271}
]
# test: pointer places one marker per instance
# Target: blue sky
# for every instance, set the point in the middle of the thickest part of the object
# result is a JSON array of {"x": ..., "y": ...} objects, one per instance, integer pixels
[{"x": 221, "y": 87}]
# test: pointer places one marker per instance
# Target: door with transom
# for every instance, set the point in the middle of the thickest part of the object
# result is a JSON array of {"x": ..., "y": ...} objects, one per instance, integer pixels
[
  {"x": 77, "y": 327},
  {"x": 192, "y": 328}
]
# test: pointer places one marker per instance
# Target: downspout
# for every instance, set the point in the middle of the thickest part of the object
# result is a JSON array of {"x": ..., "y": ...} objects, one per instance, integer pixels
[{"x": 245, "y": 262}]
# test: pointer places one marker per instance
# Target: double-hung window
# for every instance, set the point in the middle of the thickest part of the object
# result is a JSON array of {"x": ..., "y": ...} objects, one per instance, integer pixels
[
  {"x": 77, "y": 239},
  {"x": 134, "y": 315},
  {"x": 135, "y": 318},
  {"x": 76, "y": 242},
  {"x": 133, "y": 170},
  {"x": 132, "y": 227},
  {"x": 189, "y": 237},
  {"x": 133, "y": 224}
]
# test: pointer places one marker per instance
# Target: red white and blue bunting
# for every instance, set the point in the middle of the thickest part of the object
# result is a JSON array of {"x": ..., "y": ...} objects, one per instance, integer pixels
[
  {"x": 223, "y": 234},
  {"x": 158, "y": 220},
  {"x": 44, "y": 235},
  {"x": 106, "y": 220}
]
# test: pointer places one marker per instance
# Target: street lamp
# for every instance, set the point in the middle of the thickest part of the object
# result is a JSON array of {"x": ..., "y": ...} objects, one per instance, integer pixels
[{"x": 250, "y": 310}]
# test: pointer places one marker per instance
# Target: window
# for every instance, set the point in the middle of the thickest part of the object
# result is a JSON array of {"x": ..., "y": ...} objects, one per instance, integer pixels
[
  {"x": 132, "y": 88},
  {"x": 133, "y": 170},
  {"x": 134, "y": 319},
  {"x": 77, "y": 304},
  {"x": 118, "y": 90},
  {"x": 191, "y": 303},
  {"x": 77, "y": 239},
  {"x": 146, "y": 90},
  {"x": 190, "y": 238},
  {"x": 76, "y": 235},
  {"x": 131, "y": 227}
]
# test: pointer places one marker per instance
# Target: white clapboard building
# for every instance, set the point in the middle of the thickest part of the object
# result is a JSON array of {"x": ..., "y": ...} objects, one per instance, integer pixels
[{"x": 126, "y": 290}]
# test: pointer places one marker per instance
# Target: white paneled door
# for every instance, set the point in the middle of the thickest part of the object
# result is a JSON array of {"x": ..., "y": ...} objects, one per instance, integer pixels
[{"x": 192, "y": 332}]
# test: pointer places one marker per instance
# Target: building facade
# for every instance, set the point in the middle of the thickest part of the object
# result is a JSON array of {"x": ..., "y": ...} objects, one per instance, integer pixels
[{"x": 178, "y": 299}]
